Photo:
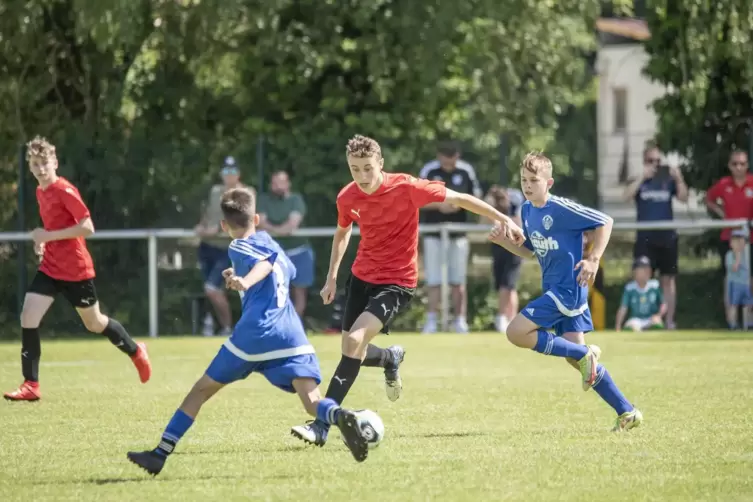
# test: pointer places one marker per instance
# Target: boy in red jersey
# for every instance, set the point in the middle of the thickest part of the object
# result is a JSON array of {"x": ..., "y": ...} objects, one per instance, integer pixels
[
  {"x": 66, "y": 268},
  {"x": 385, "y": 272}
]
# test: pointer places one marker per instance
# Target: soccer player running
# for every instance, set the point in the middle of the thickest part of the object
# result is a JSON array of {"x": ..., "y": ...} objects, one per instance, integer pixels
[
  {"x": 554, "y": 229},
  {"x": 385, "y": 271},
  {"x": 268, "y": 339},
  {"x": 66, "y": 268}
]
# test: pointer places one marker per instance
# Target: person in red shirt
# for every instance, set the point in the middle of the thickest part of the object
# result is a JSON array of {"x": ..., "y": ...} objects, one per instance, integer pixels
[
  {"x": 731, "y": 197},
  {"x": 66, "y": 268},
  {"x": 385, "y": 272}
]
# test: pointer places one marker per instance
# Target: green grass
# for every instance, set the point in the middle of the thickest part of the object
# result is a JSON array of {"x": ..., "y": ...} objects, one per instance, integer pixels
[{"x": 479, "y": 420}]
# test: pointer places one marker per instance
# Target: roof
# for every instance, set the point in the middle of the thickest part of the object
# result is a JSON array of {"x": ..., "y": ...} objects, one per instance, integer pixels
[{"x": 636, "y": 29}]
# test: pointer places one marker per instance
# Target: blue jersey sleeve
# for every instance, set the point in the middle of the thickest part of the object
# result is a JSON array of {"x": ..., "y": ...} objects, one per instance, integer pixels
[
  {"x": 524, "y": 220},
  {"x": 577, "y": 217},
  {"x": 244, "y": 255}
]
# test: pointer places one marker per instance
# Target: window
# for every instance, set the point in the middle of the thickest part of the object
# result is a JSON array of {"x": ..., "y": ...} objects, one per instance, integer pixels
[{"x": 619, "y": 96}]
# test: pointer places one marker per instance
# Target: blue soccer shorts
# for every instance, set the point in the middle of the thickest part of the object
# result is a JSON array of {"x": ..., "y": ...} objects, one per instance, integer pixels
[
  {"x": 213, "y": 260},
  {"x": 544, "y": 312},
  {"x": 739, "y": 294},
  {"x": 302, "y": 258},
  {"x": 227, "y": 367}
]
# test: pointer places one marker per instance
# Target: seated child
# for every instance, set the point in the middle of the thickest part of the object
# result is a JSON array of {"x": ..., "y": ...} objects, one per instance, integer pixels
[{"x": 642, "y": 301}]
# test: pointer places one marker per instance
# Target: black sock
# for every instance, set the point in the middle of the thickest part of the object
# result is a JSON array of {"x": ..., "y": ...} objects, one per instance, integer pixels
[
  {"x": 377, "y": 357},
  {"x": 31, "y": 351},
  {"x": 343, "y": 379},
  {"x": 119, "y": 337}
]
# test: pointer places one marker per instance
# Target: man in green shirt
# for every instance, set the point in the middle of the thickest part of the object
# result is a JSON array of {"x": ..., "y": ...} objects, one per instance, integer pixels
[
  {"x": 282, "y": 212},
  {"x": 213, "y": 258},
  {"x": 642, "y": 301}
]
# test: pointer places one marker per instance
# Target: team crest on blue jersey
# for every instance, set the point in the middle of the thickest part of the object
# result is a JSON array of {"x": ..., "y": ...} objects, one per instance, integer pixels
[
  {"x": 542, "y": 245},
  {"x": 548, "y": 221}
]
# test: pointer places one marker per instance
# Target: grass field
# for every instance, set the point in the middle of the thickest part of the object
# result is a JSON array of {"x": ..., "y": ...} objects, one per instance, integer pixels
[{"x": 479, "y": 420}]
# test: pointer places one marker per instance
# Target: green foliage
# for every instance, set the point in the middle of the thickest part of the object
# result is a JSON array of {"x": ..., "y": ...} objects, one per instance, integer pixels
[{"x": 701, "y": 51}]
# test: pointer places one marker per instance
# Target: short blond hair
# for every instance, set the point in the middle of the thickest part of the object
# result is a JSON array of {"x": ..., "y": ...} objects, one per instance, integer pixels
[
  {"x": 41, "y": 149},
  {"x": 362, "y": 147},
  {"x": 537, "y": 163}
]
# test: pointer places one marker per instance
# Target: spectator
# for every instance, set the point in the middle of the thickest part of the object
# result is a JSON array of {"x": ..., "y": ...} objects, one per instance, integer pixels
[
  {"x": 506, "y": 266},
  {"x": 641, "y": 300},
  {"x": 737, "y": 282},
  {"x": 653, "y": 193},
  {"x": 459, "y": 176},
  {"x": 731, "y": 197},
  {"x": 213, "y": 257},
  {"x": 281, "y": 213}
]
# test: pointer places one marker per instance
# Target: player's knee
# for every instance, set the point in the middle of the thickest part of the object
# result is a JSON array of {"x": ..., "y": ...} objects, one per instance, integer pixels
[
  {"x": 29, "y": 318},
  {"x": 352, "y": 342},
  {"x": 517, "y": 333}
]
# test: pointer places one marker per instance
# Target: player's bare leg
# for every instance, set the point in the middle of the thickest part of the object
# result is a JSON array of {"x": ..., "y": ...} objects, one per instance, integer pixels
[
  {"x": 628, "y": 416},
  {"x": 329, "y": 412},
  {"x": 152, "y": 461},
  {"x": 34, "y": 309},
  {"x": 524, "y": 333},
  {"x": 96, "y": 322}
]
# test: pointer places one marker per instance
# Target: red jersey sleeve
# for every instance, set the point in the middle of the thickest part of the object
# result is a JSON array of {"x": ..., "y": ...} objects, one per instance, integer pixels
[
  {"x": 344, "y": 219},
  {"x": 715, "y": 192},
  {"x": 424, "y": 192},
  {"x": 73, "y": 203}
]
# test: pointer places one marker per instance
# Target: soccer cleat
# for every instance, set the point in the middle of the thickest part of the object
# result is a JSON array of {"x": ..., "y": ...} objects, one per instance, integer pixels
[
  {"x": 141, "y": 361},
  {"x": 628, "y": 420},
  {"x": 27, "y": 391},
  {"x": 150, "y": 461},
  {"x": 588, "y": 365},
  {"x": 351, "y": 432},
  {"x": 461, "y": 327},
  {"x": 314, "y": 432},
  {"x": 393, "y": 384}
]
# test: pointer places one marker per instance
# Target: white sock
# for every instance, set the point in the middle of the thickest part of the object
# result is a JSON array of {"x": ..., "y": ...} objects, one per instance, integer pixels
[{"x": 431, "y": 317}]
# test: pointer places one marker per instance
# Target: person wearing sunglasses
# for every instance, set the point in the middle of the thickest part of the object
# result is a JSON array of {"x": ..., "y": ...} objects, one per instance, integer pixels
[
  {"x": 212, "y": 253},
  {"x": 653, "y": 192}
]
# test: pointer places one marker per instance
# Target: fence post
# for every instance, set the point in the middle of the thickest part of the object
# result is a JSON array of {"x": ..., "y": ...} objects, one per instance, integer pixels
[
  {"x": 153, "y": 294},
  {"x": 444, "y": 243},
  {"x": 21, "y": 228}
]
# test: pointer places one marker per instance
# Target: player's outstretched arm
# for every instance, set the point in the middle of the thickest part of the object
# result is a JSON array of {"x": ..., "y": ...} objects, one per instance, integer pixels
[
  {"x": 497, "y": 237},
  {"x": 481, "y": 208},
  {"x": 339, "y": 245}
]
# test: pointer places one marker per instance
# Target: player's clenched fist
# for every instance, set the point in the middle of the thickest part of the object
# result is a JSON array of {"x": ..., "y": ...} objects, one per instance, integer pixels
[
  {"x": 328, "y": 291},
  {"x": 507, "y": 231}
]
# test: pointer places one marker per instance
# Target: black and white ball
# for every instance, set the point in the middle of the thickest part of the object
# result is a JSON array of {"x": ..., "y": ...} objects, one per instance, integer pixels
[{"x": 371, "y": 426}]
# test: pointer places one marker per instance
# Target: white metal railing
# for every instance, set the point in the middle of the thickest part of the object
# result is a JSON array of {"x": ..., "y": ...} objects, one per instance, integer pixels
[{"x": 443, "y": 229}]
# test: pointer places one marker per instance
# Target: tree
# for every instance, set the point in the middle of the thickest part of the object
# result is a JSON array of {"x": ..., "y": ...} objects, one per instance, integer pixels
[{"x": 701, "y": 51}]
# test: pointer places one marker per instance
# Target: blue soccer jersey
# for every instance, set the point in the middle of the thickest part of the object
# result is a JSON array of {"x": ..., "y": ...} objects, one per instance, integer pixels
[
  {"x": 554, "y": 233},
  {"x": 269, "y": 327}
]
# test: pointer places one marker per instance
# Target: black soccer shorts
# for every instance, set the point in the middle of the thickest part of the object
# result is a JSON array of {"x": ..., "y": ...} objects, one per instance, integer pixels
[
  {"x": 663, "y": 255},
  {"x": 80, "y": 294},
  {"x": 384, "y": 301}
]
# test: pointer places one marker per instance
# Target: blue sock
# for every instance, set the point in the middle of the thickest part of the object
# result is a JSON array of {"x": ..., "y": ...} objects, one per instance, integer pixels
[
  {"x": 179, "y": 425},
  {"x": 551, "y": 345},
  {"x": 327, "y": 411},
  {"x": 606, "y": 388}
]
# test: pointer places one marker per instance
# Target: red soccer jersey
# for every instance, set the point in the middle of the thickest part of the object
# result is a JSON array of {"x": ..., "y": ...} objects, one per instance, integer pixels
[
  {"x": 60, "y": 206},
  {"x": 388, "y": 219},
  {"x": 737, "y": 201}
]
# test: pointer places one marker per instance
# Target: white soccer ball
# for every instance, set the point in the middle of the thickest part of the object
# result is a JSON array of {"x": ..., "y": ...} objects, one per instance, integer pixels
[{"x": 372, "y": 427}]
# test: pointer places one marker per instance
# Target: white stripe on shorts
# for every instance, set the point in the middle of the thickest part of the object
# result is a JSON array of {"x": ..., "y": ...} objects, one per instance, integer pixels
[{"x": 268, "y": 356}]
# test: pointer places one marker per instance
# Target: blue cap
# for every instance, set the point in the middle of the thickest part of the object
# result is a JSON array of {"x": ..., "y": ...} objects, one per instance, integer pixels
[{"x": 229, "y": 167}]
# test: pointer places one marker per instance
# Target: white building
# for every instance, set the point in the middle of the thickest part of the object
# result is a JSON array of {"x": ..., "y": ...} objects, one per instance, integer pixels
[{"x": 625, "y": 118}]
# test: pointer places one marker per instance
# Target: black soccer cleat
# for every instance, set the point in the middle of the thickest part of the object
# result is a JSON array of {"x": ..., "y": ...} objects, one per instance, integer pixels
[
  {"x": 150, "y": 461},
  {"x": 352, "y": 435},
  {"x": 393, "y": 384}
]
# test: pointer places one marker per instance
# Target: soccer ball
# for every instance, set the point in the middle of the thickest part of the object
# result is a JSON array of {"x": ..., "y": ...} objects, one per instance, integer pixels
[{"x": 371, "y": 426}]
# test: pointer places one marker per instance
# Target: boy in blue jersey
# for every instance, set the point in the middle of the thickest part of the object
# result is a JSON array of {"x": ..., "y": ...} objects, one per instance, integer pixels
[
  {"x": 269, "y": 338},
  {"x": 554, "y": 229}
]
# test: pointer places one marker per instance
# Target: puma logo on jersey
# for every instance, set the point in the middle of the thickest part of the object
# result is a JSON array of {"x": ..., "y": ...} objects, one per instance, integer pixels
[
  {"x": 357, "y": 213},
  {"x": 542, "y": 245},
  {"x": 385, "y": 309}
]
